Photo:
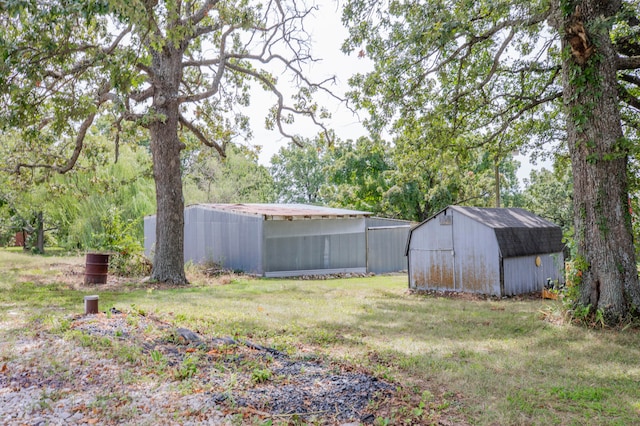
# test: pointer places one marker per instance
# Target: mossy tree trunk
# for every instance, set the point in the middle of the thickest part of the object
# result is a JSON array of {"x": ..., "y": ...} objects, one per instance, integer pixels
[{"x": 599, "y": 155}]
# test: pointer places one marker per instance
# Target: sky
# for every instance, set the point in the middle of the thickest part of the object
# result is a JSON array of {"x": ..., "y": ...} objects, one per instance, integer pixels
[{"x": 328, "y": 34}]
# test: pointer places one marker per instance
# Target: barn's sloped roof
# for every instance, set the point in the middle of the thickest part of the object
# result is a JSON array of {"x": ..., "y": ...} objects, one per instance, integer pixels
[
  {"x": 518, "y": 231},
  {"x": 287, "y": 211}
]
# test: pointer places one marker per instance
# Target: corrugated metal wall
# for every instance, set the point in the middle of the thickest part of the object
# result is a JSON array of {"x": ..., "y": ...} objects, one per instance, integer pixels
[
  {"x": 285, "y": 248},
  {"x": 477, "y": 257},
  {"x": 431, "y": 260},
  {"x": 374, "y": 222},
  {"x": 385, "y": 249},
  {"x": 314, "y": 246},
  {"x": 230, "y": 239},
  {"x": 452, "y": 252},
  {"x": 431, "y": 269},
  {"x": 149, "y": 235},
  {"x": 522, "y": 275},
  {"x": 386, "y": 244}
]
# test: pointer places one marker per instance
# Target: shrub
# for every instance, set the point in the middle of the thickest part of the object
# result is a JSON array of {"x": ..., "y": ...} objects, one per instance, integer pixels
[{"x": 127, "y": 258}]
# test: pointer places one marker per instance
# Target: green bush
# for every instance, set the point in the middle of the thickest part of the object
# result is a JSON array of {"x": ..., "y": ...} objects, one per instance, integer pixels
[{"x": 117, "y": 238}]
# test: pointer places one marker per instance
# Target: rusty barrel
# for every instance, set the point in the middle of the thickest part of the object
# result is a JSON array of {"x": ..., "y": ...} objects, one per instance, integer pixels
[{"x": 97, "y": 268}]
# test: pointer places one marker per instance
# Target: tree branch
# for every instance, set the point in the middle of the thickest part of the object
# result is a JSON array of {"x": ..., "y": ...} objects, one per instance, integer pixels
[
  {"x": 280, "y": 106},
  {"x": 201, "y": 137},
  {"x": 215, "y": 85},
  {"x": 200, "y": 31},
  {"x": 84, "y": 127},
  {"x": 492, "y": 71},
  {"x": 473, "y": 40},
  {"x": 628, "y": 98},
  {"x": 628, "y": 62},
  {"x": 521, "y": 112},
  {"x": 627, "y": 45},
  {"x": 102, "y": 96},
  {"x": 632, "y": 79},
  {"x": 143, "y": 95},
  {"x": 88, "y": 62},
  {"x": 201, "y": 13},
  {"x": 117, "y": 41}
]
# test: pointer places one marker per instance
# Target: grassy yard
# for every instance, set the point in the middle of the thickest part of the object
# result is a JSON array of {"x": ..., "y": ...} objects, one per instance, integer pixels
[{"x": 485, "y": 362}]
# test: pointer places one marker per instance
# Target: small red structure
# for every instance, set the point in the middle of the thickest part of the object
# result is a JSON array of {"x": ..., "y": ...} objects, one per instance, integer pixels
[{"x": 20, "y": 239}]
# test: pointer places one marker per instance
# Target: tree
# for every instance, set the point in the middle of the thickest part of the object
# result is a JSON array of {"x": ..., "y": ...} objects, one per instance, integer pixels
[
  {"x": 549, "y": 194},
  {"x": 300, "y": 171},
  {"x": 164, "y": 65},
  {"x": 27, "y": 200},
  {"x": 238, "y": 178},
  {"x": 427, "y": 178},
  {"x": 358, "y": 174},
  {"x": 93, "y": 194},
  {"x": 406, "y": 180},
  {"x": 71, "y": 205},
  {"x": 509, "y": 70}
]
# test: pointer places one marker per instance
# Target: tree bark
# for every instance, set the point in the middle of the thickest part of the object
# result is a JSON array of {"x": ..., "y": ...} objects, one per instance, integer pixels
[
  {"x": 168, "y": 261},
  {"x": 604, "y": 242},
  {"x": 39, "y": 233}
]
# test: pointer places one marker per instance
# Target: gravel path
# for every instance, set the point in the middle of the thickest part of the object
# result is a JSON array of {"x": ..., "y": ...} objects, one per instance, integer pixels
[{"x": 124, "y": 368}]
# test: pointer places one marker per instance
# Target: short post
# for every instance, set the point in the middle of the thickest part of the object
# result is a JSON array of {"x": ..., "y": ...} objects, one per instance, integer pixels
[{"x": 90, "y": 305}]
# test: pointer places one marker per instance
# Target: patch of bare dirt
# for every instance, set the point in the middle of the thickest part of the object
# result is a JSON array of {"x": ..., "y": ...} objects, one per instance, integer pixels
[{"x": 128, "y": 368}]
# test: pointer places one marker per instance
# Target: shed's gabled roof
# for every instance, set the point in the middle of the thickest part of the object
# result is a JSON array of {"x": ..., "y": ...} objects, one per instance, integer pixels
[
  {"x": 504, "y": 217},
  {"x": 287, "y": 211},
  {"x": 518, "y": 231}
]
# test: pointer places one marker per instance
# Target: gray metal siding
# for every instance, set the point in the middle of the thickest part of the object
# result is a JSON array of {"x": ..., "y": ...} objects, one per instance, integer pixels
[
  {"x": 232, "y": 240},
  {"x": 431, "y": 270},
  {"x": 476, "y": 257},
  {"x": 522, "y": 275},
  {"x": 452, "y": 252},
  {"x": 250, "y": 243},
  {"x": 297, "y": 228},
  {"x": 432, "y": 236},
  {"x": 297, "y": 247},
  {"x": 374, "y": 222},
  {"x": 430, "y": 255},
  {"x": 149, "y": 235},
  {"x": 385, "y": 249}
]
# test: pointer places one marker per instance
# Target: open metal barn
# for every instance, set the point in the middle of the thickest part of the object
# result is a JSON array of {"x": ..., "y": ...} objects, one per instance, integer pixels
[
  {"x": 276, "y": 240},
  {"x": 493, "y": 251}
]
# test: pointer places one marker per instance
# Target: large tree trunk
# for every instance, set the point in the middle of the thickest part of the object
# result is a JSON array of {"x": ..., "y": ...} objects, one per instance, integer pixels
[
  {"x": 168, "y": 261},
  {"x": 605, "y": 251}
]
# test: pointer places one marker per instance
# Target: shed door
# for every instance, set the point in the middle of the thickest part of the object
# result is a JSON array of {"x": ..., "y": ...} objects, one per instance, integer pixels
[
  {"x": 432, "y": 266},
  {"x": 432, "y": 269}
]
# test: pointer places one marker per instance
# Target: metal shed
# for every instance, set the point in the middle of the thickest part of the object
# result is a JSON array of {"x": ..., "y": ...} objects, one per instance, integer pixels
[
  {"x": 276, "y": 240},
  {"x": 494, "y": 251}
]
